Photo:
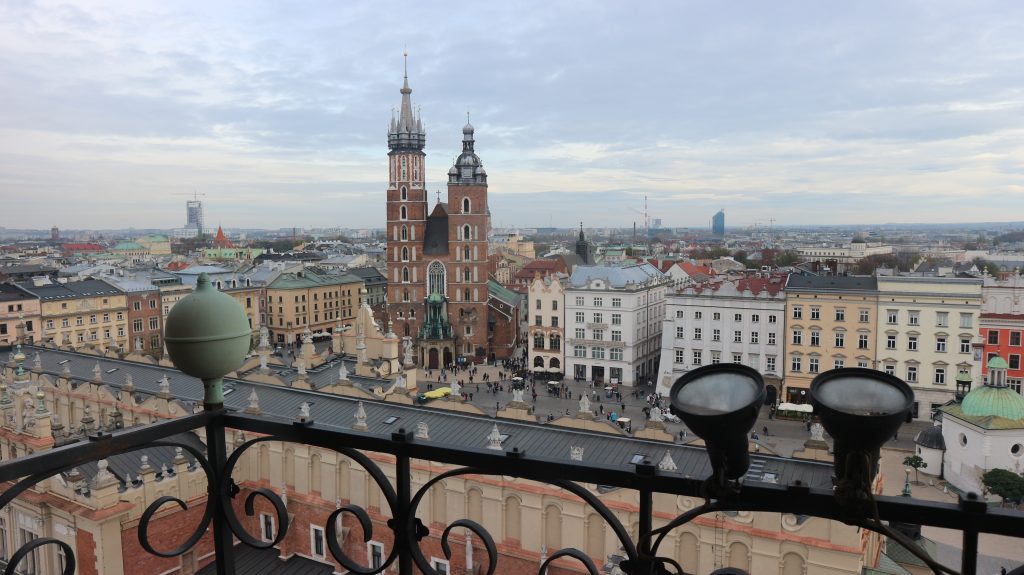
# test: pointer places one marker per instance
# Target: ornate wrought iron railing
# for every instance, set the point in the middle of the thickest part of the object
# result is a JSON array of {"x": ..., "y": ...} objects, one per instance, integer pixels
[{"x": 971, "y": 515}]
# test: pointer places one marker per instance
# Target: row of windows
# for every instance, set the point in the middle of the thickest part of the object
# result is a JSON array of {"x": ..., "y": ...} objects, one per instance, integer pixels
[
  {"x": 717, "y": 316},
  {"x": 993, "y": 337},
  {"x": 555, "y": 342},
  {"x": 697, "y": 357},
  {"x": 80, "y": 320},
  {"x": 839, "y": 339},
  {"x": 540, "y": 303},
  {"x": 614, "y": 354},
  {"x": 599, "y": 301},
  {"x": 154, "y": 323},
  {"x": 941, "y": 344},
  {"x": 716, "y": 335},
  {"x": 598, "y": 334},
  {"x": 598, "y": 317},
  {"x": 138, "y": 305},
  {"x": 892, "y": 316}
]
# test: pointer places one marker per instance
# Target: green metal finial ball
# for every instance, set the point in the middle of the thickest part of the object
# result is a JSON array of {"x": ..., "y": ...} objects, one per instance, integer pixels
[{"x": 207, "y": 335}]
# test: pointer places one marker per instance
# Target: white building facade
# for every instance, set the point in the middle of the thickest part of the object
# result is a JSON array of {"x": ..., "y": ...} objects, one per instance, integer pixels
[
  {"x": 614, "y": 318},
  {"x": 926, "y": 335},
  {"x": 545, "y": 312},
  {"x": 739, "y": 321}
]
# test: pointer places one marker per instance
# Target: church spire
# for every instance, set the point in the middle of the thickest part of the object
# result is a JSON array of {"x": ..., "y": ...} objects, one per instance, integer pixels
[{"x": 407, "y": 133}]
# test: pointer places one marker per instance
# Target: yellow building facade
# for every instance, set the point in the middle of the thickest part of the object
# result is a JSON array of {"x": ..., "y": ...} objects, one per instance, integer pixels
[
  {"x": 79, "y": 314},
  {"x": 309, "y": 299},
  {"x": 831, "y": 322}
]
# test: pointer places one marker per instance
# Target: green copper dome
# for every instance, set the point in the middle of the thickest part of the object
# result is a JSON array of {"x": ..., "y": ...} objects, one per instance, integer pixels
[
  {"x": 997, "y": 362},
  {"x": 989, "y": 401}
]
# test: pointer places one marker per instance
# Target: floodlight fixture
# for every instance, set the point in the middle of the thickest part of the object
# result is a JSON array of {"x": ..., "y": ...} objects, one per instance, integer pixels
[
  {"x": 861, "y": 409},
  {"x": 720, "y": 403}
]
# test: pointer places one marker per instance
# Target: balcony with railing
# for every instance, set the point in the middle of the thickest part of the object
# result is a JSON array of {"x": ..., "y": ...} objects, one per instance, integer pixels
[{"x": 243, "y": 475}]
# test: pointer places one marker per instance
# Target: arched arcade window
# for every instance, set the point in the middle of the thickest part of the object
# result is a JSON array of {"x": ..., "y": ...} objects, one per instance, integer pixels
[{"x": 435, "y": 278}]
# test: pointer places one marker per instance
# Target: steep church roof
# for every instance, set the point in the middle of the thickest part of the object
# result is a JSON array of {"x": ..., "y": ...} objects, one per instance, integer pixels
[{"x": 435, "y": 238}]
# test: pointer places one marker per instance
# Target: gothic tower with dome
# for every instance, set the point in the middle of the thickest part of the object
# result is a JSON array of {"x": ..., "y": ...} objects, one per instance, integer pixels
[{"x": 436, "y": 257}]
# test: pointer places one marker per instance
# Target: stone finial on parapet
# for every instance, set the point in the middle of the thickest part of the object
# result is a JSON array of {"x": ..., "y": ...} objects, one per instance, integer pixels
[{"x": 360, "y": 416}]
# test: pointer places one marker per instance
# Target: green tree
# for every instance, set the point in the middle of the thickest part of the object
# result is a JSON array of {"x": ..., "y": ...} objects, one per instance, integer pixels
[
  {"x": 1005, "y": 484},
  {"x": 915, "y": 462},
  {"x": 787, "y": 258}
]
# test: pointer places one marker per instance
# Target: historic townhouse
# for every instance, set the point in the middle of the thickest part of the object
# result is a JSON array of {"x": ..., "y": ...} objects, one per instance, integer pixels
[
  {"x": 830, "y": 323},
  {"x": 18, "y": 308},
  {"x": 546, "y": 309},
  {"x": 310, "y": 299},
  {"x": 738, "y": 321},
  {"x": 927, "y": 328},
  {"x": 77, "y": 314},
  {"x": 614, "y": 317}
]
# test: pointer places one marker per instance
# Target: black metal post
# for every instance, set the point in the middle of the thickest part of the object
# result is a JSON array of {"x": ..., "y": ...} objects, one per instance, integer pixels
[
  {"x": 969, "y": 560},
  {"x": 403, "y": 539},
  {"x": 646, "y": 521},
  {"x": 223, "y": 540}
]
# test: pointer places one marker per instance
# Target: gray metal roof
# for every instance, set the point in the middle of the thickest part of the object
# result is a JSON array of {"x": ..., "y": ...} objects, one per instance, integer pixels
[
  {"x": 617, "y": 277},
  {"x": 445, "y": 427},
  {"x": 837, "y": 283},
  {"x": 71, "y": 290}
]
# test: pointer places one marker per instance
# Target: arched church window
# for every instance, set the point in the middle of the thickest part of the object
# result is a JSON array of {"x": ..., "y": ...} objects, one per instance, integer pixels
[
  {"x": 465, "y": 205},
  {"x": 465, "y": 274},
  {"x": 405, "y": 254},
  {"x": 404, "y": 193},
  {"x": 405, "y": 295},
  {"x": 405, "y": 232},
  {"x": 465, "y": 252},
  {"x": 402, "y": 214},
  {"x": 465, "y": 232},
  {"x": 406, "y": 330},
  {"x": 435, "y": 278},
  {"x": 405, "y": 274},
  {"x": 466, "y": 294}
]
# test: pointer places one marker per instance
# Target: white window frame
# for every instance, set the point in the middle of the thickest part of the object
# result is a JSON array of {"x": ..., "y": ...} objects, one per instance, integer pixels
[
  {"x": 369, "y": 553},
  {"x": 439, "y": 564},
  {"x": 312, "y": 542},
  {"x": 263, "y": 527}
]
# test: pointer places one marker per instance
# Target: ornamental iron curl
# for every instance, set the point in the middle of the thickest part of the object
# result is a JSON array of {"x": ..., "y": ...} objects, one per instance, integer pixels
[
  {"x": 228, "y": 489},
  {"x": 421, "y": 561},
  {"x": 153, "y": 507},
  {"x": 24, "y": 550}
]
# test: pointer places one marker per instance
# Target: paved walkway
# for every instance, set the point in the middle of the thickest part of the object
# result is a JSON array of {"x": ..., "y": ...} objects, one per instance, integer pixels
[{"x": 783, "y": 437}]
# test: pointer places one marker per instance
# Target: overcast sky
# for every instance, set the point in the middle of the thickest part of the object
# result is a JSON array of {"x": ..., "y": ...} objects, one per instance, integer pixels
[{"x": 802, "y": 112}]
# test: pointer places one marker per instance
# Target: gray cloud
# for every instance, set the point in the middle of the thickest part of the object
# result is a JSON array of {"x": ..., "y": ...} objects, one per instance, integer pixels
[{"x": 769, "y": 110}]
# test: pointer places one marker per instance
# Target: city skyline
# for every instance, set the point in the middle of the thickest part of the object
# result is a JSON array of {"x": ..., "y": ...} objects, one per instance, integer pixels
[{"x": 801, "y": 114}]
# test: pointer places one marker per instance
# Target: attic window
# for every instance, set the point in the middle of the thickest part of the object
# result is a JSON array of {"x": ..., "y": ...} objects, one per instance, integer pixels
[
  {"x": 637, "y": 458},
  {"x": 503, "y": 436},
  {"x": 391, "y": 419}
]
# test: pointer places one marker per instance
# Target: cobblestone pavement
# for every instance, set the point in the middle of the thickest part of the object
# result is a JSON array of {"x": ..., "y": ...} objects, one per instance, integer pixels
[{"x": 783, "y": 437}]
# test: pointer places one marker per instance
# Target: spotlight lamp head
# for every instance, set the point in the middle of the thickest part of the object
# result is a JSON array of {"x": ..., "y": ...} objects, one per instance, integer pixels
[
  {"x": 720, "y": 404},
  {"x": 861, "y": 409}
]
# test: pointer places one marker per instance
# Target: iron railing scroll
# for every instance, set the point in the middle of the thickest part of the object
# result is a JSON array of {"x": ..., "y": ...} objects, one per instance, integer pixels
[{"x": 970, "y": 515}]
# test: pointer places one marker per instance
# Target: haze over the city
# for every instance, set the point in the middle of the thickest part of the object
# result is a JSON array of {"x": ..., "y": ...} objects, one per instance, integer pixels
[{"x": 800, "y": 112}]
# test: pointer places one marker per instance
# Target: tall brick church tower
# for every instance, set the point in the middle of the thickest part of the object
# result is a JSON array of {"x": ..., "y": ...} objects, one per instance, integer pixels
[{"x": 436, "y": 260}]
